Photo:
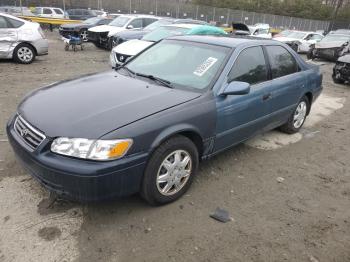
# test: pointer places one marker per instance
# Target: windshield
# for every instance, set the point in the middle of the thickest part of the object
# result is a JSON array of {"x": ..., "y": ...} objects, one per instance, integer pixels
[
  {"x": 92, "y": 20},
  {"x": 335, "y": 38},
  {"x": 120, "y": 21},
  {"x": 164, "y": 32},
  {"x": 285, "y": 33},
  {"x": 157, "y": 24},
  {"x": 184, "y": 64},
  {"x": 297, "y": 35}
]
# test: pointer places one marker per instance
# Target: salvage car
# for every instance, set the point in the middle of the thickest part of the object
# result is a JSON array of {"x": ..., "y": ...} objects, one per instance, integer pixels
[
  {"x": 21, "y": 40},
  {"x": 331, "y": 47},
  {"x": 101, "y": 35},
  {"x": 121, "y": 53},
  {"x": 145, "y": 126},
  {"x": 80, "y": 29},
  {"x": 260, "y": 30},
  {"x": 300, "y": 41},
  {"x": 341, "y": 70}
]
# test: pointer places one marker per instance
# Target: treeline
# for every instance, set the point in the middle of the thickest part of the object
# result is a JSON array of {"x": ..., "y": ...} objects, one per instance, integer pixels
[{"x": 310, "y": 9}]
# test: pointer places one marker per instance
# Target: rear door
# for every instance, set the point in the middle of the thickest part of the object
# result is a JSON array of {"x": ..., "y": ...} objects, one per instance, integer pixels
[
  {"x": 287, "y": 84},
  {"x": 8, "y": 36},
  {"x": 242, "y": 116}
]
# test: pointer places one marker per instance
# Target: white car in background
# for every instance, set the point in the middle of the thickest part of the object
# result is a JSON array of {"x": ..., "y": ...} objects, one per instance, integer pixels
[
  {"x": 260, "y": 30},
  {"x": 300, "y": 41},
  {"x": 21, "y": 40},
  {"x": 124, "y": 51},
  {"x": 101, "y": 35},
  {"x": 49, "y": 12}
]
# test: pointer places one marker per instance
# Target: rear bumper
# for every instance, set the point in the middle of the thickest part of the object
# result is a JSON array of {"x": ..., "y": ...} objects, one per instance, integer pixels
[
  {"x": 79, "y": 179},
  {"x": 41, "y": 46}
]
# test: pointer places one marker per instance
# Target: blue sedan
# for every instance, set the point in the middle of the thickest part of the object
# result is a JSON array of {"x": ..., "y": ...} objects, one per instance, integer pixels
[{"x": 145, "y": 126}]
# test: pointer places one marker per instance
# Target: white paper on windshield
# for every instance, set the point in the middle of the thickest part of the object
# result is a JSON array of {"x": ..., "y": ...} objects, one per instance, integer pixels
[{"x": 204, "y": 67}]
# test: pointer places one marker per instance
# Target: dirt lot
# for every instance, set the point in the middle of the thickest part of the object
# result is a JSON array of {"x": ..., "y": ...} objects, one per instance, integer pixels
[{"x": 289, "y": 196}]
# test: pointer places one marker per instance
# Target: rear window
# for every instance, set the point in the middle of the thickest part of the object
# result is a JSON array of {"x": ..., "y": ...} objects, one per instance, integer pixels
[{"x": 282, "y": 62}]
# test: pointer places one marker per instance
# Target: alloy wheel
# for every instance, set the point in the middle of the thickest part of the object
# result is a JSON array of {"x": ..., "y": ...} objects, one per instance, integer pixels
[
  {"x": 25, "y": 54},
  {"x": 300, "y": 114}
]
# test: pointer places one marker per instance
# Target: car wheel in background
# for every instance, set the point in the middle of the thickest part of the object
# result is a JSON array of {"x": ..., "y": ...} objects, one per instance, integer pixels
[
  {"x": 297, "y": 119},
  {"x": 83, "y": 33},
  {"x": 24, "y": 54},
  {"x": 170, "y": 171}
]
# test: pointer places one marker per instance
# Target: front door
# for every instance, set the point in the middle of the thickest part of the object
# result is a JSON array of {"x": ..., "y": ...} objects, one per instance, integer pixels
[{"x": 240, "y": 117}]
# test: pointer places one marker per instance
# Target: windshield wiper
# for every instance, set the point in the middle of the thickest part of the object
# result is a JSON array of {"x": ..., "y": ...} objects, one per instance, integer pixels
[
  {"x": 157, "y": 79},
  {"x": 131, "y": 73}
]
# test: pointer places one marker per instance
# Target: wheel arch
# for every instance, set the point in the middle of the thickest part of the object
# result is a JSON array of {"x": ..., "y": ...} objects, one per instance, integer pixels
[
  {"x": 188, "y": 131},
  {"x": 27, "y": 43},
  {"x": 309, "y": 96}
]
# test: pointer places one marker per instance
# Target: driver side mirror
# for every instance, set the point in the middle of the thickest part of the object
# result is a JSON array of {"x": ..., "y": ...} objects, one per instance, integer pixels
[
  {"x": 236, "y": 88},
  {"x": 130, "y": 27}
]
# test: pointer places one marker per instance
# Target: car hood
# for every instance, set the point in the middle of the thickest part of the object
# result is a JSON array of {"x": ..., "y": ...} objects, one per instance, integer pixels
[
  {"x": 330, "y": 44},
  {"x": 132, "y": 47},
  {"x": 105, "y": 28},
  {"x": 344, "y": 59},
  {"x": 93, "y": 105}
]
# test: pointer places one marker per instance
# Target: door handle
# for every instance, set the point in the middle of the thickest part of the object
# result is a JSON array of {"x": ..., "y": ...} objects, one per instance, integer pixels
[{"x": 266, "y": 97}]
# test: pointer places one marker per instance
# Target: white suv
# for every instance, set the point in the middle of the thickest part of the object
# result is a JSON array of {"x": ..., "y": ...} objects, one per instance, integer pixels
[{"x": 49, "y": 12}]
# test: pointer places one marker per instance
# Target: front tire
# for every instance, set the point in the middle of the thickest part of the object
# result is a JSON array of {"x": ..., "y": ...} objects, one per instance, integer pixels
[
  {"x": 24, "y": 54},
  {"x": 170, "y": 171},
  {"x": 83, "y": 35},
  {"x": 297, "y": 118}
]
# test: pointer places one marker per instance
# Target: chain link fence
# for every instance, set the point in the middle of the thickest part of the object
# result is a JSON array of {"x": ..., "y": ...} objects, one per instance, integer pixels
[{"x": 178, "y": 9}]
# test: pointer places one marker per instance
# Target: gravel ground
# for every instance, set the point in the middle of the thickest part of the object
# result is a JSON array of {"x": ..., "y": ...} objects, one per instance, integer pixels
[{"x": 288, "y": 196}]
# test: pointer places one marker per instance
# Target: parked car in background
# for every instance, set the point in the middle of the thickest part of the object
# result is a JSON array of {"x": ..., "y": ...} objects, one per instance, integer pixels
[
  {"x": 300, "y": 41},
  {"x": 101, "y": 35},
  {"x": 81, "y": 14},
  {"x": 341, "y": 32},
  {"x": 81, "y": 29},
  {"x": 243, "y": 29},
  {"x": 127, "y": 35},
  {"x": 121, "y": 53},
  {"x": 21, "y": 40},
  {"x": 341, "y": 70},
  {"x": 260, "y": 30},
  {"x": 16, "y": 10},
  {"x": 145, "y": 127},
  {"x": 49, "y": 12},
  {"x": 114, "y": 15},
  {"x": 331, "y": 47},
  {"x": 283, "y": 33}
]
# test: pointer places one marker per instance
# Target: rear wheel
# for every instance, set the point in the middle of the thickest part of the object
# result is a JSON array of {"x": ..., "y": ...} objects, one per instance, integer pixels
[
  {"x": 24, "y": 54},
  {"x": 297, "y": 119},
  {"x": 170, "y": 171}
]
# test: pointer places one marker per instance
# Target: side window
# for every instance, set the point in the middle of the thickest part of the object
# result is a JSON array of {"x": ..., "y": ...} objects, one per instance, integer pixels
[
  {"x": 78, "y": 12},
  {"x": 104, "y": 22},
  {"x": 250, "y": 66},
  {"x": 148, "y": 21},
  {"x": 136, "y": 23},
  {"x": 3, "y": 23},
  {"x": 47, "y": 11},
  {"x": 58, "y": 11},
  {"x": 316, "y": 37},
  {"x": 281, "y": 61},
  {"x": 15, "y": 23}
]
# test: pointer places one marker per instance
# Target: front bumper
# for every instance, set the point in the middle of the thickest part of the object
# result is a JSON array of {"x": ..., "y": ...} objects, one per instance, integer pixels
[
  {"x": 327, "y": 53},
  {"x": 79, "y": 179},
  {"x": 341, "y": 71}
]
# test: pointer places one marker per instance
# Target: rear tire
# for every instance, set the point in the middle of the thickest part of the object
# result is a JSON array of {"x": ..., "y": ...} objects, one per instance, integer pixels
[
  {"x": 24, "y": 54},
  {"x": 297, "y": 118},
  {"x": 170, "y": 171}
]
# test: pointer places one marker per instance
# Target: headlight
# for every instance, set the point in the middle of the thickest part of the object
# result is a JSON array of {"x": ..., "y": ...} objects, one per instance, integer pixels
[{"x": 91, "y": 149}]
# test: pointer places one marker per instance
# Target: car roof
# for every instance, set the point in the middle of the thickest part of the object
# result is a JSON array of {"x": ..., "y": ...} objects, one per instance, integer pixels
[{"x": 227, "y": 41}]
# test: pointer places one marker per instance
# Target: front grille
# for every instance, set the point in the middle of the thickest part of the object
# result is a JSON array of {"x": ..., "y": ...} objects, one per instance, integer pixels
[
  {"x": 93, "y": 36},
  {"x": 31, "y": 136}
]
